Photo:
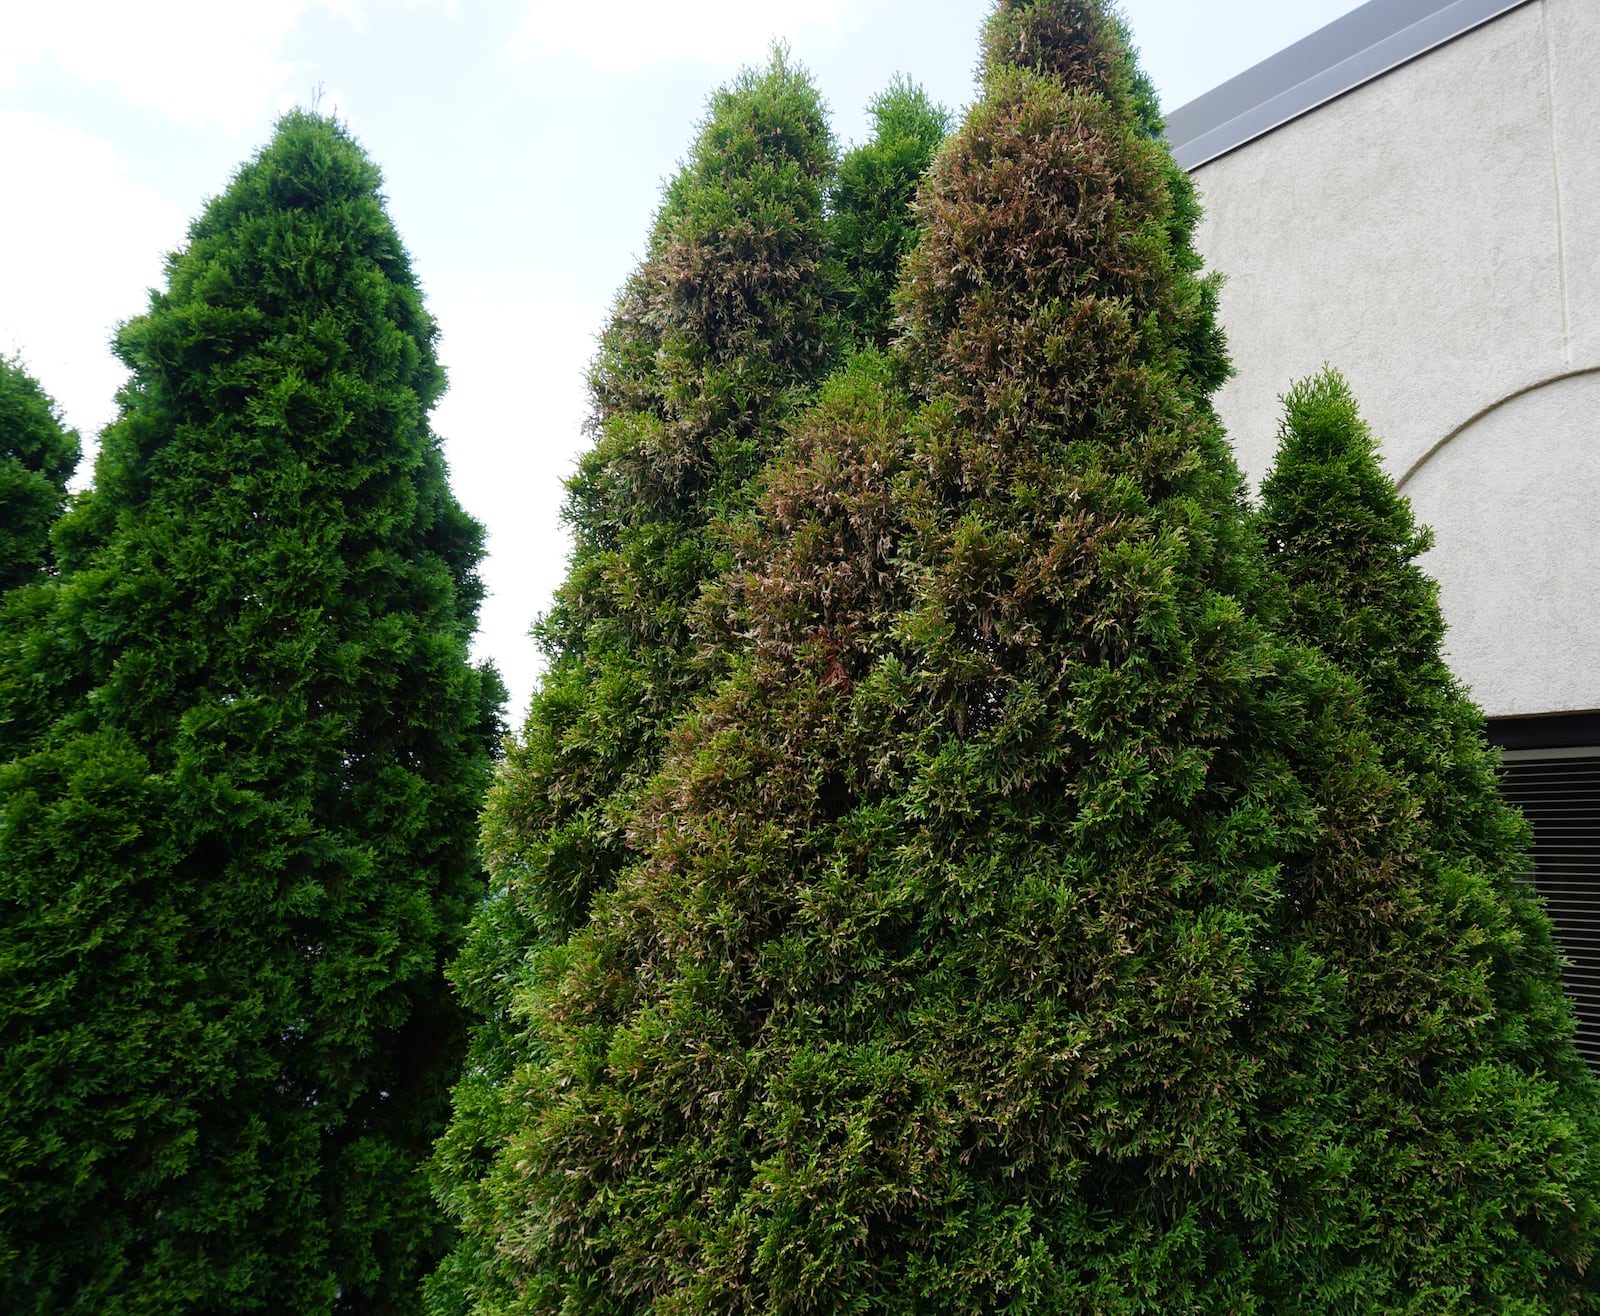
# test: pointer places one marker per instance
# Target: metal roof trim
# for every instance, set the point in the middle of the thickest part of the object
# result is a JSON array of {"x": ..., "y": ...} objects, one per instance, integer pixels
[{"x": 1365, "y": 44}]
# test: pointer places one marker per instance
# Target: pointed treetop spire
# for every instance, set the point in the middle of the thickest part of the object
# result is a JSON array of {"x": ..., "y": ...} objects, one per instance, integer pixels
[
  {"x": 1053, "y": 216},
  {"x": 1078, "y": 41}
]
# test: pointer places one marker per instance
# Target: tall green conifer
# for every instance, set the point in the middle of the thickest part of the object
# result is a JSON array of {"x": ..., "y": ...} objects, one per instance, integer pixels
[
  {"x": 714, "y": 342},
  {"x": 1342, "y": 546},
  {"x": 1021, "y": 925},
  {"x": 926, "y": 994},
  {"x": 1342, "y": 543},
  {"x": 871, "y": 228},
  {"x": 37, "y": 458},
  {"x": 237, "y": 853}
]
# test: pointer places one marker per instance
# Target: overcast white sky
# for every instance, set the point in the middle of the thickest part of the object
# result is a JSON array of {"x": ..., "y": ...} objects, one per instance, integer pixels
[{"x": 524, "y": 143}]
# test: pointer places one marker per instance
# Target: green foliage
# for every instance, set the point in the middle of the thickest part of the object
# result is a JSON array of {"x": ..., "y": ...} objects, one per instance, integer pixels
[
  {"x": 871, "y": 227},
  {"x": 37, "y": 458},
  {"x": 1019, "y": 924},
  {"x": 1341, "y": 548},
  {"x": 713, "y": 344},
  {"x": 925, "y": 997},
  {"x": 235, "y": 846}
]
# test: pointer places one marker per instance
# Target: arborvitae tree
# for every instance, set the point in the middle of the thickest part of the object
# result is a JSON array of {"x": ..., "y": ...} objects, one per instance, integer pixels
[
  {"x": 871, "y": 228},
  {"x": 1020, "y": 925},
  {"x": 232, "y": 868},
  {"x": 1341, "y": 547},
  {"x": 714, "y": 342},
  {"x": 37, "y": 458},
  {"x": 925, "y": 997}
]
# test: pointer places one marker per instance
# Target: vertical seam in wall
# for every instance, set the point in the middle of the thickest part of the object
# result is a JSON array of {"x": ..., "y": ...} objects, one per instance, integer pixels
[{"x": 1555, "y": 168}]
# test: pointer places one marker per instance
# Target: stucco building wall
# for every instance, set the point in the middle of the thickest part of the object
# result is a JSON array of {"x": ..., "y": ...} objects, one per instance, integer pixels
[{"x": 1435, "y": 234}]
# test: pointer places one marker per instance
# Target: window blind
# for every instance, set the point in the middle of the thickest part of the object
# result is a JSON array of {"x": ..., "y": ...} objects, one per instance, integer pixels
[{"x": 1559, "y": 791}]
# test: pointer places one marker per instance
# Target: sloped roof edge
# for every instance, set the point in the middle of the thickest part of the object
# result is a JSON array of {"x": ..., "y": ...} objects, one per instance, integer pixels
[{"x": 1365, "y": 44}]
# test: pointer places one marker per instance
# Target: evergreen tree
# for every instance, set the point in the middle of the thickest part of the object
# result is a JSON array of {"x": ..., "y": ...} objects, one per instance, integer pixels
[
  {"x": 713, "y": 343},
  {"x": 925, "y": 996},
  {"x": 871, "y": 228},
  {"x": 1341, "y": 547},
  {"x": 1020, "y": 925},
  {"x": 236, "y": 854},
  {"x": 37, "y": 458}
]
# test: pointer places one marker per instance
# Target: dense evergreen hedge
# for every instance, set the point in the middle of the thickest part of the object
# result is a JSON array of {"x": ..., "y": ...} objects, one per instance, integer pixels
[
  {"x": 925, "y": 994},
  {"x": 236, "y": 845},
  {"x": 961, "y": 858},
  {"x": 760, "y": 273}
]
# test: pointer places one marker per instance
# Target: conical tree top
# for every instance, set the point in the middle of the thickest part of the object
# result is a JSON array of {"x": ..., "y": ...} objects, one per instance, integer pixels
[
  {"x": 727, "y": 311},
  {"x": 1344, "y": 542},
  {"x": 299, "y": 244},
  {"x": 1054, "y": 248},
  {"x": 1078, "y": 41},
  {"x": 30, "y": 428},
  {"x": 872, "y": 225}
]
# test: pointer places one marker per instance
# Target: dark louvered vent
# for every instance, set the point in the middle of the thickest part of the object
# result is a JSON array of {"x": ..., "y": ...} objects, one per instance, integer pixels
[{"x": 1559, "y": 791}]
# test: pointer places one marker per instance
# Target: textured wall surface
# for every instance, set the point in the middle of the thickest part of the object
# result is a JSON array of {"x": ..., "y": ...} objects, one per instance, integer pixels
[
  {"x": 1436, "y": 235},
  {"x": 1512, "y": 500}
]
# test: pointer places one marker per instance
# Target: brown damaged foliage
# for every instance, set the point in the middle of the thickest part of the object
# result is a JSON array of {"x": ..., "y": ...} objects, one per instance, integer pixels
[
  {"x": 1043, "y": 262},
  {"x": 1075, "y": 41},
  {"x": 1020, "y": 926},
  {"x": 824, "y": 575}
]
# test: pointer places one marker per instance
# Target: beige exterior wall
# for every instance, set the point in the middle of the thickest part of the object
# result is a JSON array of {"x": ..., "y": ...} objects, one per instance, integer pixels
[{"x": 1435, "y": 234}]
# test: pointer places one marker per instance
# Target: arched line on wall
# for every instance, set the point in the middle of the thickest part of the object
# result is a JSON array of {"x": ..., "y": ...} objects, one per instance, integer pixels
[{"x": 1492, "y": 407}]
